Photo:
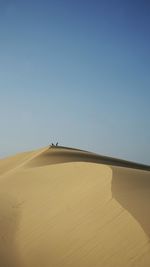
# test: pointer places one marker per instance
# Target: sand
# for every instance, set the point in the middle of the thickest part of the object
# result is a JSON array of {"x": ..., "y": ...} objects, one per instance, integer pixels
[{"x": 62, "y": 207}]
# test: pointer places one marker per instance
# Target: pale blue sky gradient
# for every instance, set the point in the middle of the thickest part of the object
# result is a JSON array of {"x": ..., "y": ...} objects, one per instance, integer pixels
[{"x": 76, "y": 72}]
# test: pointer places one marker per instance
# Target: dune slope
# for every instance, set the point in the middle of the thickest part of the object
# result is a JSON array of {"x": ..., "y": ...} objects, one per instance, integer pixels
[{"x": 61, "y": 207}]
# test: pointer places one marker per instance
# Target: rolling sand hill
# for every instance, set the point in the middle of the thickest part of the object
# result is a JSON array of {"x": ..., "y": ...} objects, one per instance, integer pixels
[{"x": 62, "y": 207}]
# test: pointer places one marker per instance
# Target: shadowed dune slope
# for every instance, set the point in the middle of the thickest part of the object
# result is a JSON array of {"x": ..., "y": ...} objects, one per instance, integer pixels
[
  {"x": 55, "y": 155},
  {"x": 58, "y": 208}
]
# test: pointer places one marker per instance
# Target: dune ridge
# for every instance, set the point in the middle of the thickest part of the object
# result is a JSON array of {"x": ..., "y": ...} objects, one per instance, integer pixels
[
  {"x": 60, "y": 154},
  {"x": 65, "y": 207}
]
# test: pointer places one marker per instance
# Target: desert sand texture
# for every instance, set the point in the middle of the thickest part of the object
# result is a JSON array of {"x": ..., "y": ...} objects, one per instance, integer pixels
[{"x": 62, "y": 207}]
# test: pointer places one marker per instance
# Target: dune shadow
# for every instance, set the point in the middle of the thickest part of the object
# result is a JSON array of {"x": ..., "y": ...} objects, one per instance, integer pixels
[
  {"x": 9, "y": 220},
  {"x": 57, "y": 156},
  {"x": 131, "y": 188}
]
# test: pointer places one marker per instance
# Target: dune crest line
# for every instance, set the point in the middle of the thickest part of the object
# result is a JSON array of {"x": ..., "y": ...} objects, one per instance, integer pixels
[{"x": 60, "y": 154}]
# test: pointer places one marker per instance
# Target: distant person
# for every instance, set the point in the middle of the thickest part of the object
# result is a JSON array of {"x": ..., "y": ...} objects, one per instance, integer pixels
[{"x": 57, "y": 144}]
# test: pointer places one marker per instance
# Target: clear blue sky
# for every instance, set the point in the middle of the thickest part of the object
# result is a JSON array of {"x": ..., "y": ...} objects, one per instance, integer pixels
[{"x": 76, "y": 72}]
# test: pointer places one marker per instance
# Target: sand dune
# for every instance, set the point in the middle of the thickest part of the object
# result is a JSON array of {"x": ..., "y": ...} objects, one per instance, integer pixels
[{"x": 62, "y": 207}]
